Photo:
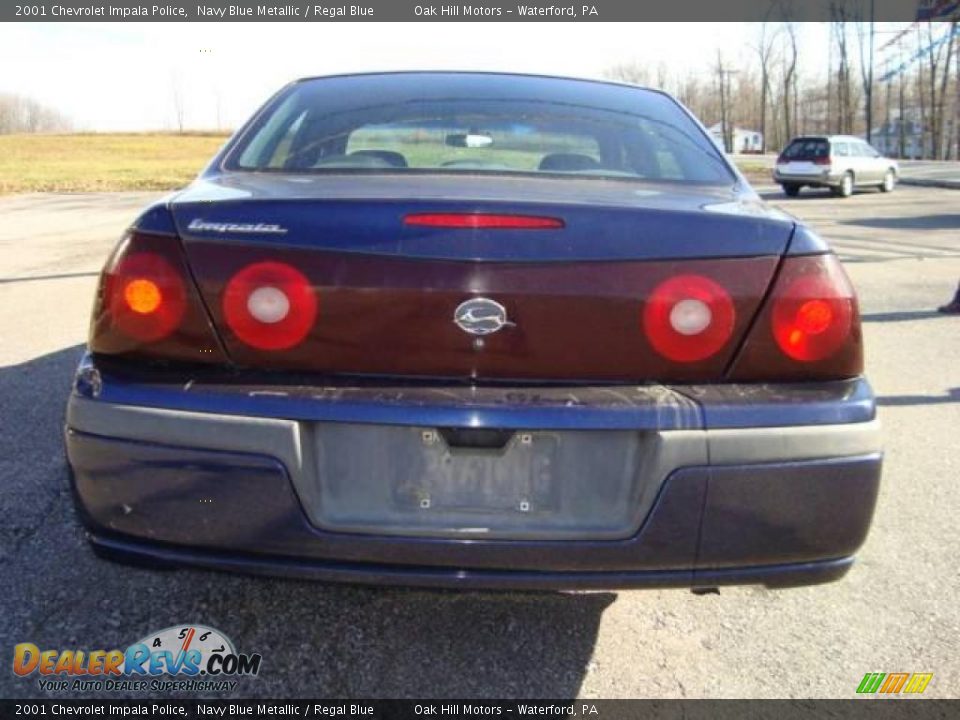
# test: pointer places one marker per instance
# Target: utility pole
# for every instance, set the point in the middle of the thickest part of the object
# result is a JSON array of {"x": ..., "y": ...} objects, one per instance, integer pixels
[
  {"x": 956, "y": 105},
  {"x": 902, "y": 128},
  {"x": 724, "y": 77},
  {"x": 870, "y": 80},
  {"x": 723, "y": 104},
  {"x": 827, "y": 126}
]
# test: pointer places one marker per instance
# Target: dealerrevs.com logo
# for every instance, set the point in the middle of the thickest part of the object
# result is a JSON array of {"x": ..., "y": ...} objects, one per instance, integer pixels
[{"x": 183, "y": 657}]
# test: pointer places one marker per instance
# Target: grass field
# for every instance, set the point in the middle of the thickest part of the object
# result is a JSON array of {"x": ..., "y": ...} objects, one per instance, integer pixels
[
  {"x": 135, "y": 161},
  {"x": 756, "y": 171},
  {"x": 96, "y": 162}
]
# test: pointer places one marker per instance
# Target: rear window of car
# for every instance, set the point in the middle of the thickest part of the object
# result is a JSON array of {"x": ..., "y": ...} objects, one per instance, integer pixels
[
  {"x": 315, "y": 127},
  {"x": 807, "y": 149}
]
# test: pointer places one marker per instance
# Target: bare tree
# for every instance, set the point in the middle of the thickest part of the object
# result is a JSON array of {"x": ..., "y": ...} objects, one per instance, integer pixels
[
  {"x": 844, "y": 96},
  {"x": 956, "y": 102},
  {"x": 790, "y": 80},
  {"x": 940, "y": 110},
  {"x": 865, "y": 36},
  {"x": 176, "y": 94},
  {"x": 933, "y": 61},
  {"x": 20, "y": 114},
  {"x": 634, "y": 73},
  {"x": 770, "y": 92},
  {"x": 920, "y": 90},
  {"x": 662, "y": 75},
  {"x": 764, "y": 50},
  {"x": 902, "y": 134}
]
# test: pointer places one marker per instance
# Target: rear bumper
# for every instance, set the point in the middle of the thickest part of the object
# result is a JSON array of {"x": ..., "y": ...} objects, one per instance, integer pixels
[
  {"x": 811, "y": 180},
  {"x": 725, "y": 501},
  {"x": 773, "y": 576}
]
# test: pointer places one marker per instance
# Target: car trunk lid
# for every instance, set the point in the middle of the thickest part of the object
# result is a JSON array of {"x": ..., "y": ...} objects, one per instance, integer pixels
[{"x": 572, "y": 295}]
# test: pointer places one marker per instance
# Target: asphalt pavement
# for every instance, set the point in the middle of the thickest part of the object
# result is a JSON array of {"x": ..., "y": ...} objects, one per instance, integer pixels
[
  {"x": 930, "y": 172},
  {"x": 896, "y": 611}
]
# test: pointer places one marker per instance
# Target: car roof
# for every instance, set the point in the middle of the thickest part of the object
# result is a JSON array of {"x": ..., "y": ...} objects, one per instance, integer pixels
[
  {"x": 830, "y": 138},
  {"x": 489, "y": 73}
]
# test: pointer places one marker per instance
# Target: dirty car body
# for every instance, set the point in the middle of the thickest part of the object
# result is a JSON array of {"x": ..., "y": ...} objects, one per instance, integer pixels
[{"x": 484, "y": 330}]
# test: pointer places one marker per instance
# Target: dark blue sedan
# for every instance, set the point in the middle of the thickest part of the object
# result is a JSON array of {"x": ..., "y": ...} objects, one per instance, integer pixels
[{"x": 465, "y": 329}]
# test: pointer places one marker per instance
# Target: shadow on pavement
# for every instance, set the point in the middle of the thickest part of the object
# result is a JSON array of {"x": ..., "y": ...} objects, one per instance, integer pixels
[
  {"x": 918, "y": 222},
  {"x": 811, "y": 193},
  {"x": 316, "y": 640},
  {"x": 901, "y": 316},
  {"x": 952, "y": 396},
  {"x": 35, "y": 278},
  {"x": 807, "y": 194},
  {"x": 31, "y": 441}
]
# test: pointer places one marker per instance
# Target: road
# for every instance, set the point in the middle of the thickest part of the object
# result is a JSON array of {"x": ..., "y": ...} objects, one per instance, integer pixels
[
  {"x": 896, "y": 611},
  {"x": 930, "y": 171}
]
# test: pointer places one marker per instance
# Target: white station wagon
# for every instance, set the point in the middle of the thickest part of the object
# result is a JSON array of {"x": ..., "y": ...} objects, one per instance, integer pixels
[{"x": 842, "y": 163}]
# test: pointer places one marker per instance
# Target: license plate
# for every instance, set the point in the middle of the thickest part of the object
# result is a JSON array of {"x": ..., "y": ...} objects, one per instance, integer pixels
[
  {"x": 515, "y": 478},
  {"x": 421, "y": 482},
  {"x": 802, "y": 168}
]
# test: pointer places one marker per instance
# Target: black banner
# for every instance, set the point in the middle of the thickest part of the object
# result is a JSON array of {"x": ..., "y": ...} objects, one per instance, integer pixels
[
  {"x": 420, "y": 11},
  {"x": 468, "y": 709}
]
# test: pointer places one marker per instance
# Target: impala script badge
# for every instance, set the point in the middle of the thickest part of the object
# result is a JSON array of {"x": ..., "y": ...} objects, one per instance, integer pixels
[
  {"x": 228, "y": 227},
  {"x": 480, "y": 316}
]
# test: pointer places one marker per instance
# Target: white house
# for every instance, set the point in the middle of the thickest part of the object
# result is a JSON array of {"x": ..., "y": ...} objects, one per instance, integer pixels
[
  {"x": 886, "y": 139},
  {"x": 744, "y": 141}
]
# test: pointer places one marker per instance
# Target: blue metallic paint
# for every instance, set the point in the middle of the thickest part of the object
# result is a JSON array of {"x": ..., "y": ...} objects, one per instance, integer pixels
[
  {"x": 157, "y": 219},
  {"x": 160, "y": 501},
  {"x": 660, "y": 227},
  {"x": 709, "y": 526},
  {"x": 771, "y": 576},
  {"x": 554, "y": 407}
]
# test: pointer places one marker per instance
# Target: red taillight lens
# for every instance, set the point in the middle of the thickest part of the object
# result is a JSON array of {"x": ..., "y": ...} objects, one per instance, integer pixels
[
  {"x": 688, "y": 318},
  {"x": 147, "y": 305},
  {"x": 483, "y": 220},
  {"x": 821, "y": 161},
  {"x": 270, "y": 305},
  {"x": 142, "y": 296},
  {"x": 146, "y": 296},
  {"x": 809, "y": 328},
  {"x": 812, "y": 316}
]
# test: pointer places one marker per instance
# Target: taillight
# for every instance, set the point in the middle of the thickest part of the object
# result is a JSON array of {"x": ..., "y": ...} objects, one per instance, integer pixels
[
  {"x": 147, "y": 306},
  {"x": 688, "y": 318},
  {"x": 809, "y": 328},
  {"x": 147, "y": 298},
  {"x": 270, "y": 305},
  {"x": 811, "y": 320},
  {"x": 812, "y": 313},
  {"x": 483, "y": 220},
  {"x": 821, "y": 161}
]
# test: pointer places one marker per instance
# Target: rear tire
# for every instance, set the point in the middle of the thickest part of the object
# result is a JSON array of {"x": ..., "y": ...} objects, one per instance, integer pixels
[
  {"x": 845, "y": 188},
  {"x": 791, "y": 190},
  {"x": 889, "y": 182}
]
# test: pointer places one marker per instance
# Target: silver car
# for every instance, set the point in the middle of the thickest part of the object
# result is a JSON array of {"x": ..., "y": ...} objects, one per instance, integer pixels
[{"x": 839, "y": 162}]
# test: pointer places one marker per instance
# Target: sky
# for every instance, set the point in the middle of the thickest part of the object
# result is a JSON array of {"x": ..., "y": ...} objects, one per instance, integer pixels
[{"x": 123, "y": 76}]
